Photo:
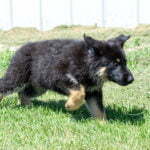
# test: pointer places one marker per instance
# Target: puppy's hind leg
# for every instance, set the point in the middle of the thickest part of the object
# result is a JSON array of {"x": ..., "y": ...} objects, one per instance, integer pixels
[{"x": 28, "y": 93}]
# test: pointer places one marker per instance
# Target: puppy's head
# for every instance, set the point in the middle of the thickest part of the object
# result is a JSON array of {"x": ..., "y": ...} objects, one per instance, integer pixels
[{"x": 108, "y": 60}]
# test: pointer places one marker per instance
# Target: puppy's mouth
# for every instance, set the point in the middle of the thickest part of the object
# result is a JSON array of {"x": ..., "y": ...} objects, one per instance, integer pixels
[{"x": 122, "y": 83}]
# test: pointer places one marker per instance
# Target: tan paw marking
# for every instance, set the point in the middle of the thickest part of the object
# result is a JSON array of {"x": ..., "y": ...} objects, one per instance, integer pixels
[{"x": 76, "y": 99}]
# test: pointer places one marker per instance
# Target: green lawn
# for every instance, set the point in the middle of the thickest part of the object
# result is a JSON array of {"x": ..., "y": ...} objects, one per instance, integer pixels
[{"x": 46, "y": 125}]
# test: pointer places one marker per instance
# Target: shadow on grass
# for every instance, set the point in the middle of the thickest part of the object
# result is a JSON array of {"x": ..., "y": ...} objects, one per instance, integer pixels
[
  {"x": 58, "y": 106},
  {"x": 132, "y": 115}
]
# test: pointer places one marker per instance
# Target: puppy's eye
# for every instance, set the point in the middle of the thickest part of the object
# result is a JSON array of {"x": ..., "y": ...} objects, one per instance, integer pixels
[{"x": 116, "y": 64}]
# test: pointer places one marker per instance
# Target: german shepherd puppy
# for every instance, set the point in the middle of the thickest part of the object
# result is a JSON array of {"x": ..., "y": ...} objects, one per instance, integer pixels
[{"x": 77, "y": 68}]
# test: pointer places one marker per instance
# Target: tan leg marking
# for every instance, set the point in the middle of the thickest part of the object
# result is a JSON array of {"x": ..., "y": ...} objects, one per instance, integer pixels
[{"x": 76, "y": 99}]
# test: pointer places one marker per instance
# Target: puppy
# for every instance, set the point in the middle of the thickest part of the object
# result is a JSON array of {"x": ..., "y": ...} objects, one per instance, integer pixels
[{"x": 77, "y": 68}]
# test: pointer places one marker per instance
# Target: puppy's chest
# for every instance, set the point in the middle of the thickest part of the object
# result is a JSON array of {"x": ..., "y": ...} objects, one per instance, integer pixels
[{"x": 93, "y": 88}]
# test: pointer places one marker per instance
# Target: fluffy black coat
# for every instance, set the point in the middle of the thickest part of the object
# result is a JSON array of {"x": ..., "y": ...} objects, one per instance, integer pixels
[{"x": 65, "y": 64}]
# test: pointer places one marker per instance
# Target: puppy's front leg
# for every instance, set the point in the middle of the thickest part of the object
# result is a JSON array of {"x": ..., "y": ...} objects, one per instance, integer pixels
[
  {"x": 94, "y": 103},
  {"x": 76, "y": 98},
  {"x": 76, "y": 93}
]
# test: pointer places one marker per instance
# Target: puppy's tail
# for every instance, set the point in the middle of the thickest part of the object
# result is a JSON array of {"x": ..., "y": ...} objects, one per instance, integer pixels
[
  {"x": 14, "y": 79},
  {"x": 7, "y": 86},
  {"x": 18, "y": 72}
]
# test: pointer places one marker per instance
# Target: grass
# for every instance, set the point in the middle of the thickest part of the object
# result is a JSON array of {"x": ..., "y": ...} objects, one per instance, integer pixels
[{"x": 46, "y": 125}]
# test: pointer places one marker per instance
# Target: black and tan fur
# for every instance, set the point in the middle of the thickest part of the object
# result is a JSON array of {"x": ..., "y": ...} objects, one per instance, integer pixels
[{"x": 77, "y": 68}]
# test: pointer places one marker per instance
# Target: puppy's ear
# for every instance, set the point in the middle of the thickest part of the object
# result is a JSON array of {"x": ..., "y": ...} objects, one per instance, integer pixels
[
  {"x": 122, "y": 39},
  {"x": 89, "y": 41},
  {"x": 93, "y": 46}
]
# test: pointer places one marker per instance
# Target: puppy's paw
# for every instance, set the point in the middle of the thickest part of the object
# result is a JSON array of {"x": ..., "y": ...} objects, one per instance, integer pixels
[
  {"x": 71, "y": 106},
  {"x": 76, "y": 98},
  {"x": 101, "y": 116}
]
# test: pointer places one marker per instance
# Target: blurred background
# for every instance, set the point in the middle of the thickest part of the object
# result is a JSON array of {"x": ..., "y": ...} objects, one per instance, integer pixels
[
  {"x": 47, "y": 14},
  {"x": 22, "y": 21}
]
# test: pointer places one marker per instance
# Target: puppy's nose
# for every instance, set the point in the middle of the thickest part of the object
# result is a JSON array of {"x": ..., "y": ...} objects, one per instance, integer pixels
[{"x": 130, "y": 79}]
